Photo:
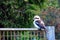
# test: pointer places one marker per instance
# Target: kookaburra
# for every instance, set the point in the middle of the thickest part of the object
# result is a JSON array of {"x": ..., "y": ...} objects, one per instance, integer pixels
[{"x": 38, "y": 23}]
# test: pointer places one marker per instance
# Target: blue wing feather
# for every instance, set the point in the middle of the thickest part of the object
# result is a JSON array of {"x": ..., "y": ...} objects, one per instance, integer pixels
[{"x": 39, "y": 25}]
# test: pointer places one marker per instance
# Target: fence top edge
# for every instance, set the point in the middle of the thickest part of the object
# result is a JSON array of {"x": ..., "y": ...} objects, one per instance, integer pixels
[
  {"x": 13, "y": 29},
  {"x": 22, "y": 29}
]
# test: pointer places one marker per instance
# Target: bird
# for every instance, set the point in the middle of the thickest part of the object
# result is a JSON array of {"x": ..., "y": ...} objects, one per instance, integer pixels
[{"x": 38, "y": 23}]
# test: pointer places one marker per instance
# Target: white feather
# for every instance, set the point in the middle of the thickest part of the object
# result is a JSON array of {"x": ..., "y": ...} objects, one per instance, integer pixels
[{"x": 35, "y": 24}]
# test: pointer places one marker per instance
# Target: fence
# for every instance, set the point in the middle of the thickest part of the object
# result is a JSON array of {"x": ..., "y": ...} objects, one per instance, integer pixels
[{"x": 21, "y": 34}]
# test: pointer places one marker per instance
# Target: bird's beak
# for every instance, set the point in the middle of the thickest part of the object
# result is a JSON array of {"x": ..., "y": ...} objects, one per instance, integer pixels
[{"x": 33, "y": 19}]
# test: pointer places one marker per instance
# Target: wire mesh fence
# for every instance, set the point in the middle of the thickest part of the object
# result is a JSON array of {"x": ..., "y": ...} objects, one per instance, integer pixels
[{"x": 21, "y": 34}]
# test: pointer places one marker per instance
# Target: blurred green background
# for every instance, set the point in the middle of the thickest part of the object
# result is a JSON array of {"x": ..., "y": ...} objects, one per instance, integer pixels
[{"x": 20, "y": 13}]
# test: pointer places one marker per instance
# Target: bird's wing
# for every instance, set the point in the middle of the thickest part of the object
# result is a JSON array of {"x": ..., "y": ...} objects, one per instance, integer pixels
[
  {"x": 40, "y": 25},
  {"x": 35, "y": 24}
]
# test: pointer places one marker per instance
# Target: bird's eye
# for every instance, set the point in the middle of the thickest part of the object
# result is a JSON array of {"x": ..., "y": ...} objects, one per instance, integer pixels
[{"x": 36, "y": 18}]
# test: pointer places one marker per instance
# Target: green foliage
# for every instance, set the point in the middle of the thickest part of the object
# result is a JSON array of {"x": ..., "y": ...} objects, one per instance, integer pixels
[
  {"x": 16, "y": 13},
  {"x": 34, "y": 9},
  {"x": 19, "y": 13}
]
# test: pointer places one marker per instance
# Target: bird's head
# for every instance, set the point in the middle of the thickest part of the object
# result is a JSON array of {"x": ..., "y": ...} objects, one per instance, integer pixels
[{"x": 36, "y": 17}]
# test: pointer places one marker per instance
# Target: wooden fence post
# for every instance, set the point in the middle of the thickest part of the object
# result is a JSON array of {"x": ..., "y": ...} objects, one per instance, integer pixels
[{"x": 50, "y": 33}]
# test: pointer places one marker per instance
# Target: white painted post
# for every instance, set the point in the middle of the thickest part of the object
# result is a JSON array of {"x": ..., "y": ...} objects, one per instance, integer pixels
[{"x": 50, "y": 33}]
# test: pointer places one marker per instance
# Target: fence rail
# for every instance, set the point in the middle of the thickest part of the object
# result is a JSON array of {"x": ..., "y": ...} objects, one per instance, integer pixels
[
  {"x": 14, "y": 29},
  {"x": 21, "y": 34}
]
